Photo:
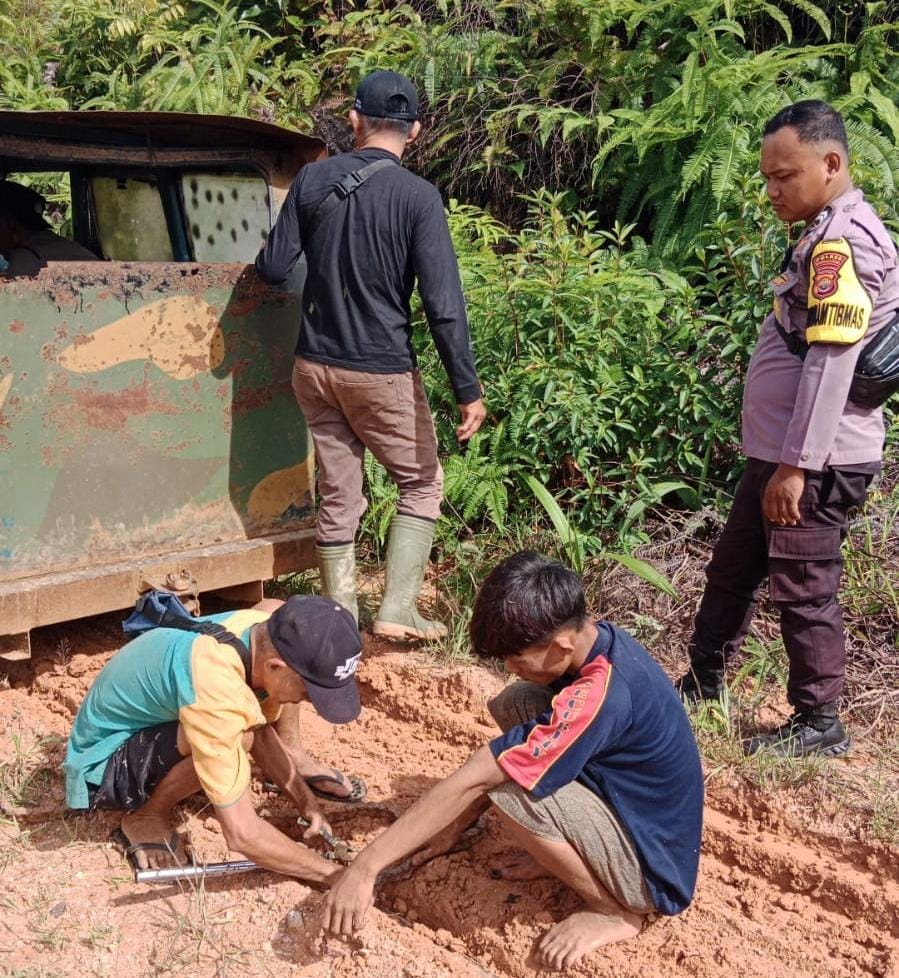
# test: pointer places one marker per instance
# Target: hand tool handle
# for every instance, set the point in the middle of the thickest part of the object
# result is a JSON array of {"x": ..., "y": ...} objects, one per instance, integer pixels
[{"x": 194, "y": 872}]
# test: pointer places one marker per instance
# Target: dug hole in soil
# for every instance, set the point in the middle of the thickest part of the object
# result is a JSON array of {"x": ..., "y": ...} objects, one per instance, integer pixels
[{"x": 774, "y": 900}]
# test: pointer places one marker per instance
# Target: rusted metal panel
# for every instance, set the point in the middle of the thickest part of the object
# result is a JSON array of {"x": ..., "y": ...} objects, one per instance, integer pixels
[
  {"x": 61, "y": 595},
  {"x": 145, "y": 409},
  {"x": 147, "y": 423},
  {"x": 156, "y": 130},
  {"x": 57, "y": 140}
]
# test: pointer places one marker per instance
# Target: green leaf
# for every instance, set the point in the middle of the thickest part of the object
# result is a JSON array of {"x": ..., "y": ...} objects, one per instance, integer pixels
[
  {"x": 643, "y": 570},
  {"x": 569, "y": 537}
]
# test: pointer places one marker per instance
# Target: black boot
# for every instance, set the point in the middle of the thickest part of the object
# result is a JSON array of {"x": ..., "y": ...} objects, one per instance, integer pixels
[
  {"x": 705, "y": 678},
  {"x": 815, "y": 730},
  {"x": 702, "y": 682}
]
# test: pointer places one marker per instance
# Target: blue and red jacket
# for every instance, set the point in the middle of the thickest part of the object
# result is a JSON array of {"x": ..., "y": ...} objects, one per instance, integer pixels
[{"x": 618, "y": 727}]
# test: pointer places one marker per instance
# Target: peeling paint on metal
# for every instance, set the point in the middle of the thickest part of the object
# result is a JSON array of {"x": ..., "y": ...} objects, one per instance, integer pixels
[
  {"x": 5, "y": 385},
  {"x": 139, "y": 400},
  {"x": 179, "y": 334},
  {"x": 114, "y": 409},
  {"x": 137, "y": 406},
  {"x": 254, "y": 398},
  {"x": 278, "y": 492}
]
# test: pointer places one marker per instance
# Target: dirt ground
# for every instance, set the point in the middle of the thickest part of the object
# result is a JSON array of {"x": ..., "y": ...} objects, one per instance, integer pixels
[{"x": 775, "y": 898}]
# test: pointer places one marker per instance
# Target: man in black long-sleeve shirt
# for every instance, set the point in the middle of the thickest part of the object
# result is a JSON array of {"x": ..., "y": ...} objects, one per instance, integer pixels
[{"x": 355, "y": 375}]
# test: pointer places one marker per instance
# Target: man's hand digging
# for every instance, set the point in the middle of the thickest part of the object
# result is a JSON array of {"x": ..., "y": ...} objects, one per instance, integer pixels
[{"x": 348, "y": 901}]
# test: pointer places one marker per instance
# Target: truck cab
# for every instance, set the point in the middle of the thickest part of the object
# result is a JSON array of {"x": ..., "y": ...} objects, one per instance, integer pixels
[{"x": 149, "y": 435}]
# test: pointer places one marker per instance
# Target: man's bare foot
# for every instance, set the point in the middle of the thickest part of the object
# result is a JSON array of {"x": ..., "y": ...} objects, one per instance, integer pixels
[
  {"x": 518, "y": 866},
  {"x": 583, "y": 932},
  {"x": 153, "y": 830}
]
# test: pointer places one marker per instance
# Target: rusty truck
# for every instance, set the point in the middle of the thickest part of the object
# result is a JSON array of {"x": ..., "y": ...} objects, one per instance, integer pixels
[{"x": 148, "y": 432}]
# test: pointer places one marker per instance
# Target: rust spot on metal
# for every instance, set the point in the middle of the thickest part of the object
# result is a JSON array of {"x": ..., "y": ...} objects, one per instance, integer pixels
[
  {"x": 112, "y": 409},
  {"x": 256, "y": 397},
  {"x": 243, "y": 304},
  {"x": 17, "y": 326}
]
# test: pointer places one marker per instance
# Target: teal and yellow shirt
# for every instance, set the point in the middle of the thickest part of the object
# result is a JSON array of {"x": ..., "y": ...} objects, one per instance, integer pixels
[{"x": 168, "y": 675}]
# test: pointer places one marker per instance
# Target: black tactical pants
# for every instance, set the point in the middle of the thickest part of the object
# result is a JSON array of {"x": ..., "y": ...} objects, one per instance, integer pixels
[{"x": 803, "y": 566}]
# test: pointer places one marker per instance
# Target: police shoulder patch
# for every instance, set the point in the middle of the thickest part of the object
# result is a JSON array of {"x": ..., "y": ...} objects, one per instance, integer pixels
[{"x": 839, "y": 308}]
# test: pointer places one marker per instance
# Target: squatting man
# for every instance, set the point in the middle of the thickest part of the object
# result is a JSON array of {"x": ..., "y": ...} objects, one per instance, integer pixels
[
  {"x": 174, "y": 713},
  {"x": 596, "y": 775}
]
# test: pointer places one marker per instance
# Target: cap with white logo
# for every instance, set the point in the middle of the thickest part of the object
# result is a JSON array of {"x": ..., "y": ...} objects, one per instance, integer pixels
[{"x": 318, "y": 638}]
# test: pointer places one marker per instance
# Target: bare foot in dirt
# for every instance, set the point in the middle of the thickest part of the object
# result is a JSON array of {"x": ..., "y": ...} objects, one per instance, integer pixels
[
  {"x": 583, "y": 932},
  {"x": 163, "y": 846},
  {"x": 518, "y": 866}
]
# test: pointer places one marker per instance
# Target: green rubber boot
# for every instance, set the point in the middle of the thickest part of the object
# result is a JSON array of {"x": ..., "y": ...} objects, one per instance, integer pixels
[
  {"x": 408, "y": 547},
  {"x": 337, "y": 566}
]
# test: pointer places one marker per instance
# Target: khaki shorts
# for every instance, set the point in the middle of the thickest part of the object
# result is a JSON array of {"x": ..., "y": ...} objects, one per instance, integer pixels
[{"x": 571, "y": 814}]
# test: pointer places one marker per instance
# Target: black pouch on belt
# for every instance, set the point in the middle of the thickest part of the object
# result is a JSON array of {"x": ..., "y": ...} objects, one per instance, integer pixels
[{"x": 876, "y": 376}]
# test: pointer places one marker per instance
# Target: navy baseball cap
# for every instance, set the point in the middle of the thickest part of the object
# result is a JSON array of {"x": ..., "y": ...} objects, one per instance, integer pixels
[
  {"x": 387, "y": 95},
  {"x": 318, "y": 638}
]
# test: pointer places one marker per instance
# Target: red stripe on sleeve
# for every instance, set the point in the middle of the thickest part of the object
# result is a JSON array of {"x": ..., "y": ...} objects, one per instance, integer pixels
[{"x": 574, "y": 709}]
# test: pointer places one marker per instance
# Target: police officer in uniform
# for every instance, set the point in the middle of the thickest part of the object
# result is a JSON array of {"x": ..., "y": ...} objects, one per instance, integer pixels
[{"x": 811, "y": 452}]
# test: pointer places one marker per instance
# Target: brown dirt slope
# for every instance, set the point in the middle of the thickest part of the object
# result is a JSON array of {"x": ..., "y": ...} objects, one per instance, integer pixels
[{"x": 773, "y": 899}]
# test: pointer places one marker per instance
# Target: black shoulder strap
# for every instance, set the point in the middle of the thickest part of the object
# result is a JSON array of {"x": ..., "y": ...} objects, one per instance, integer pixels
[
  {"x": 347, "y": 185},
  {"x": 795, "y": 343},
  {"x": 213, "y": 628}
]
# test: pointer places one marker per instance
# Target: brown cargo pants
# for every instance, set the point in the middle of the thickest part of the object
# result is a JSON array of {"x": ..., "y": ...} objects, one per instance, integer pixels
[
  {"x": 803, "y": 566},
  {"x": 348, "y": 411}
]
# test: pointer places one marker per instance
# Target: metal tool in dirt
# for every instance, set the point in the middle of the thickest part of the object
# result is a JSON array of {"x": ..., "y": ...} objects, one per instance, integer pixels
[
  {"x": 340, "y": 851},
  {"x": 194, "y": 871}
]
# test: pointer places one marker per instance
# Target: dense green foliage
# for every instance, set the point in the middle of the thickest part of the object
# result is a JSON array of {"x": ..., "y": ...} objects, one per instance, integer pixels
[
  {"x": 609, "y": 373},
  {"x": 601, "y": 163}
]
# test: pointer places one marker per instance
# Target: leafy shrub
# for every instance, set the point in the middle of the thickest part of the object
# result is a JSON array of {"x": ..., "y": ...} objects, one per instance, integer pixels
[{"x": 606, "y": 372}]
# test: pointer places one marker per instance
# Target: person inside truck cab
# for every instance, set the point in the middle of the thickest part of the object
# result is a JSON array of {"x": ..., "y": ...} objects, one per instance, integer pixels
[{"x": 27, "y": 241}]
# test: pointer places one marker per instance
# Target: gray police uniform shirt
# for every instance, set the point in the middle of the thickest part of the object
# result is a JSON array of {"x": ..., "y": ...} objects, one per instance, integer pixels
[{"x": 840, "y": 288}]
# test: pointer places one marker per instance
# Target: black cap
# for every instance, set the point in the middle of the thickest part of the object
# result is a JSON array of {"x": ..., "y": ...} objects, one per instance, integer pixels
[
  {"x": 387, "y": 95},
  {"x": 318, "y": 638}
]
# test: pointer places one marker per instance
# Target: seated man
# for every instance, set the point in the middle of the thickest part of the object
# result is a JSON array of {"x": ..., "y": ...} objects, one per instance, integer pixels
[
  {"x": 173, "y": 713},
  {"x": 596, "y": 775},
  {"x": 26, "y": 240}
]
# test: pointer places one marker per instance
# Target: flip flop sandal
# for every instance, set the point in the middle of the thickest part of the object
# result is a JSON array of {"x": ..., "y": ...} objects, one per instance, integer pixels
[
  {"x": 130, "y": 849},
  {"x": 356, "y": 785}
]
